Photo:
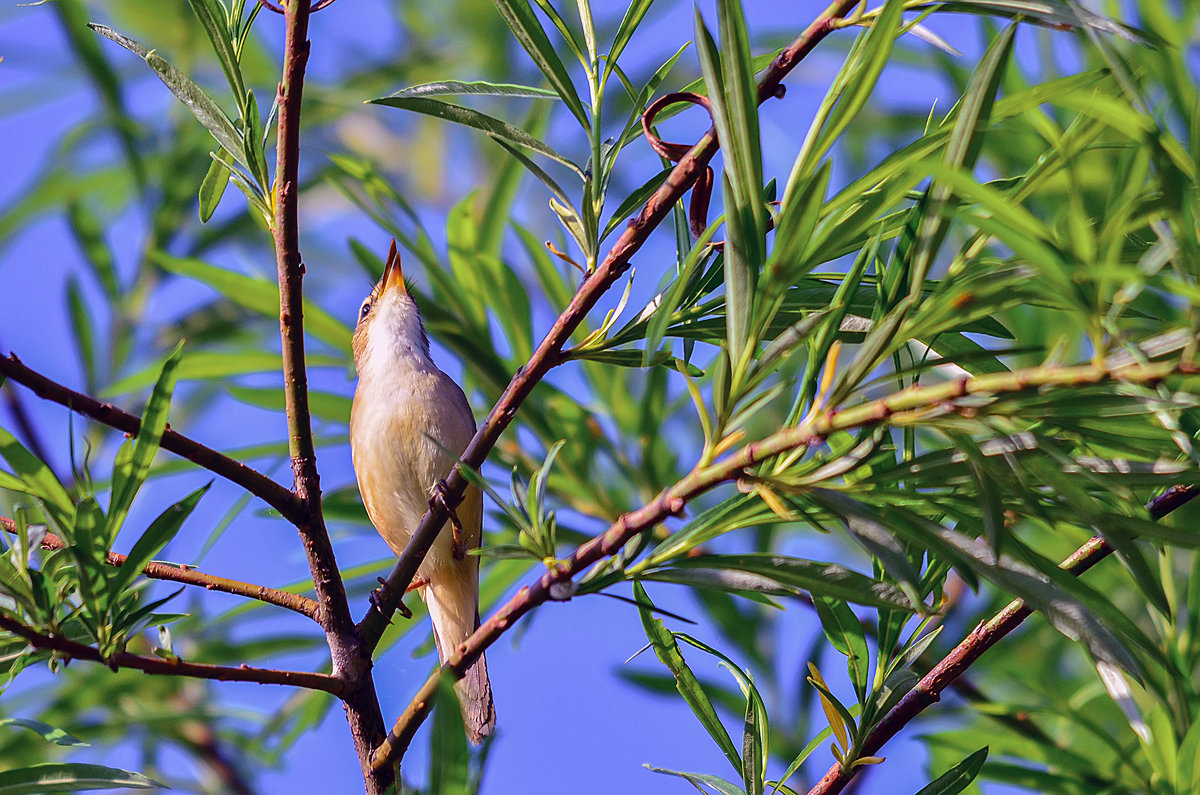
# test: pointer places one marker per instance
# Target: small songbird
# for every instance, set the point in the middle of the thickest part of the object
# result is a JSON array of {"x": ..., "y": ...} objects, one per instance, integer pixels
[{"x": 408, "y": 425}]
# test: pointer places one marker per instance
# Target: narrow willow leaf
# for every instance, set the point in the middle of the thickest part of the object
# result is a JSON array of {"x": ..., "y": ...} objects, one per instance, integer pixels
[
  {"x": 479, "y": 121},
  {"x": 696, "y": 779},
  {"x": 755, "y": 750},
  {"x": 525, "y": 26},
  {"x": 962, "y": 149},
  {"x": 1055, "y": 14},
  {"x": 216, "y": 180},
  {"x": 81, "y": 331},
  {"x": 959, "y": 777},
  {"x": 667, "y": 651},
  {"x": 634, "y": 13},
  {"x": 202, "y": 106},
  {"x": 845, "y": 632},
  {"x": 38, "y": 479},
  {"x": 735, "y": 115},
  {"x": 449, "y": 756},
  {"x": 442, "y": 88},
  {"x": 213, "y": 364},
  {"x": 258, "y": 295},
  {"x": 157, "y": 536},
  {"x": 1056, "y": 595},
  {"x": 89, "y": 233},
  {"x": 212, "y": 18},
  {"x": 131, "y": 470},
  {"x": 790, "y": 575},
  {"x": 51, "y": 734},
  {"x": 70, "y": 777}
]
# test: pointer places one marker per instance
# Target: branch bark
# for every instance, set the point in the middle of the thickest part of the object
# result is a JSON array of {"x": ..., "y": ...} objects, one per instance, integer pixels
[
  {"x": 911, "y": 405},
  {"x": 187, "y": 576},
  {"x": 928, "y": 690},
  {"x": 251, "y": 480},
  {"x": 548, "y": 353},
  {"x": 175, "y": 667},
  {"x": 351, "y": 661}
]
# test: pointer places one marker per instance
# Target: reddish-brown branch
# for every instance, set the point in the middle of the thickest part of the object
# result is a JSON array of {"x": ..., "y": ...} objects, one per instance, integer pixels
[
  {"x": 548, "y": 353},
  {"x": 251, "y": 480},
  {"x": 914, "y": 401},
  {"x": 162, "y": 571},
  {"x": 929, "y": 689},
  {"x": 351, "y": 661},
  {"x": 176, "y": 666}
]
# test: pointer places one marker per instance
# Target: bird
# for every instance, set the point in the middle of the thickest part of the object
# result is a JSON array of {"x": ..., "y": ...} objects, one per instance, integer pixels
[{"x": 409, "y": 423}]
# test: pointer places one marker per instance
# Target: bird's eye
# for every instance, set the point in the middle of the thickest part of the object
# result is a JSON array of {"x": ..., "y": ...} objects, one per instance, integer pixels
[{"x": 366, "y": 310}]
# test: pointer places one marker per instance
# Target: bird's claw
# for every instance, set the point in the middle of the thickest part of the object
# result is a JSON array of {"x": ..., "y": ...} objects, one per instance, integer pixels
[
  {"x": 438, "y": 499},
  {"x": 376, "y": 597}
]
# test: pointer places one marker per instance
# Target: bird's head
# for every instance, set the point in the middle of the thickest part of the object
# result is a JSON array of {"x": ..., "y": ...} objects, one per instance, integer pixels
[{"x": 389, "y": 331}]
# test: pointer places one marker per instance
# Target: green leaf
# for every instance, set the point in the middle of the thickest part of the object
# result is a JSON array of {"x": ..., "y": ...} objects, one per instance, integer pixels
[
  {"x": 81, "y": 331},
  {"x": 962, "y": 149},
  {"x": 38, "y": 480},
  {"x": 216, "y": 180},
  {"x": 667, "y": 651},
  {"x": 634, "y": 14},
  {"x": 957, "y": 778},
  {"x": 51, "y": 734},
  {"x": 479, "y": 121},
  {"x": 442, "y": 88},
  {"x": 845, "y": 632},
  {"x": 202, "y": 106},
  {"x": 696, "y": 779},
  {"x": 212, "y": 18},
  {"x": 213, "y": 364},
  {"x": 258, "y": 295},
  {"x": 130, "y": 471},
  {"x": 157, "y": 536},
  {"x": 449, "y": 756},
  {"x": 1057, "y": 595},
  {"x": 782, "y": 575},
  {"x": 525, "y": 26},
  {"x": 70, "y": 777}
]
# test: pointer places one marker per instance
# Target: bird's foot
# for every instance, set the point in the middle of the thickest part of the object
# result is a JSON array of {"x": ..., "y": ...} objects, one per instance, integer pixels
[
  {"x": 376, "y": 597},
  {"x": 438, "y": 500}
]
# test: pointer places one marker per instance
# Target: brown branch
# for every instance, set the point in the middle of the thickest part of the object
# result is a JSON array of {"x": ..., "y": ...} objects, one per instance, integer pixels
[
  {"x": 351, "y": 661},
  {"x": 176, "y": 666},
  {"x": 908, "y": 405},
  {"x": 928, "y": 690},
  {"x": 251, "y": 480},
  {"x": 188, "y": 576},
  {"x": 548, "y": 353}
]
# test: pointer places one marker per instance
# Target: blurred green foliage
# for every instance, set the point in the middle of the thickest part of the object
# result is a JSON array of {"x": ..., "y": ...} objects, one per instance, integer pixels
[{"x": 1046, "y": 219}]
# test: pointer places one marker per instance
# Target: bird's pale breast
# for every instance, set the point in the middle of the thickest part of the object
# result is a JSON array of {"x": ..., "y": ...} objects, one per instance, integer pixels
[{"x": 405, "y": 434}]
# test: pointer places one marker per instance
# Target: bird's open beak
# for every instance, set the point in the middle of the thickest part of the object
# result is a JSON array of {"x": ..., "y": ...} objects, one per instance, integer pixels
[{"x": 393, "y": 276}]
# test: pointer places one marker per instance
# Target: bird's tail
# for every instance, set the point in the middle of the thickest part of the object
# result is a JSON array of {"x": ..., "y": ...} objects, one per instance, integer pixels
[{"x": 454, "y": 610}]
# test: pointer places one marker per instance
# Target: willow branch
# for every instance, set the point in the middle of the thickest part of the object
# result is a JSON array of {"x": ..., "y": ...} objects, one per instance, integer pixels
[
  {"x": 549, "y": 352},
  {"x": 351, "y": 663},
  {"x": 235, "y": 471},
  {"x": 188, "y": 576},
  {"x": 928, "y": 690},
  {"x": 173, "y": 667},
  {"x": 912, "y": 405}
]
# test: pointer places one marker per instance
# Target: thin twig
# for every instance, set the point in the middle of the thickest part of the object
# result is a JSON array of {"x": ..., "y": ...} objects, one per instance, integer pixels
[
  {"x": 548, "y": 353},
  {"x": 928, "y": 690},
  {"x": 908, "y": 405},
  {"x": 176, "y": 666},
  {"x": 188, "y": 576},
  {"x": 250, "y": 479},
  {"x": 351, "y": 661}
]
